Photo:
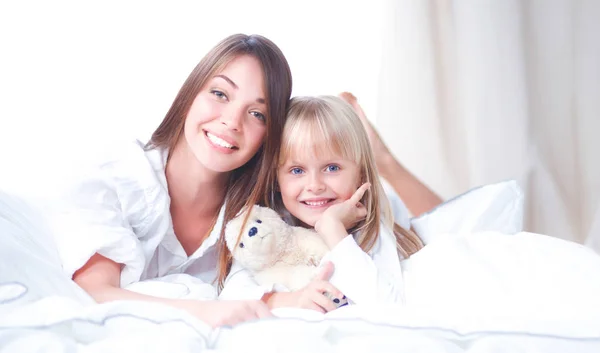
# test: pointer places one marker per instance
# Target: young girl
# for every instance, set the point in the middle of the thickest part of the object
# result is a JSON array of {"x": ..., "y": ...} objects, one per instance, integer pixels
[
  {"x": 155, "y": 209},
  {"x": 327, "y": 179}
]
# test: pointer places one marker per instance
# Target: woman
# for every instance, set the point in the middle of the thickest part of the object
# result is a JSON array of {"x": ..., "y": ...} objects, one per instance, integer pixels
[{"x": 156, "y": 209}]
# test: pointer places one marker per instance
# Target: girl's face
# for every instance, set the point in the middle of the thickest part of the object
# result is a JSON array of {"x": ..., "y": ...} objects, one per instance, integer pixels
[
  {"x": 309, "y": 185},
  {"x": 226, "y": 123}
]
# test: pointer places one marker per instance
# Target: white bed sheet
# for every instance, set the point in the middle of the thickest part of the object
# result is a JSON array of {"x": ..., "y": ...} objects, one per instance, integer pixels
[
  {"x": 472, "y": 292},
  {"x": 60, "y": 324}
]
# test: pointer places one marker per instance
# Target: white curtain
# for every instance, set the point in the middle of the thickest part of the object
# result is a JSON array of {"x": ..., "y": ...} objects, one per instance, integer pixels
[
  {"x": 469, "y": 91},
  {"x": 473, "y": 92}
]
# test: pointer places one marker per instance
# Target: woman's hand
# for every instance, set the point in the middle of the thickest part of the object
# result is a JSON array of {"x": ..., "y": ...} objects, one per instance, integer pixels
[
  {"x": 333, "y": 224},
  {"x": 312, "y": 296},
  {"x": 227, "y": 312}
]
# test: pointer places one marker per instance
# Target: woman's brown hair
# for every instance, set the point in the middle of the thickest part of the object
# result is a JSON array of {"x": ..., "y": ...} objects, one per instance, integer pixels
[{"x": 243, "y": 189}]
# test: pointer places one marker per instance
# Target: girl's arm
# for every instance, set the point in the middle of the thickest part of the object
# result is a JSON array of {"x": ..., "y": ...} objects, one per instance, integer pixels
[
  {"x": 365, "y": 279},
  {"x": 240, "y": 284},
  {"x": 100, "y": 277},
  {"x": 368, "y": 279}
]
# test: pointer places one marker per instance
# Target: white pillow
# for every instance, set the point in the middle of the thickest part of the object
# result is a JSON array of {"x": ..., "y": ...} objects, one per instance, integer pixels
[
  {"x": 494, "y": 207},
  {"x": 398, "y": 208},
  {"x": 30, "y": 268}
]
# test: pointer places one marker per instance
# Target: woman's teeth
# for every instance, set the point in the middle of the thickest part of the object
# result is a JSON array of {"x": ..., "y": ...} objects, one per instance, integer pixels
[{"x": 218, "y": 141}]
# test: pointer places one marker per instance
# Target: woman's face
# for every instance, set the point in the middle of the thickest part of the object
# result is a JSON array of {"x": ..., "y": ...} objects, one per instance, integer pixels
[{"x": 226, "y": 123}]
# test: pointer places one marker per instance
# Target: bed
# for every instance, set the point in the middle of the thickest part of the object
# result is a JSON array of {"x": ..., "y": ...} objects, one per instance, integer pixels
[{"x": 481, "y": 284}]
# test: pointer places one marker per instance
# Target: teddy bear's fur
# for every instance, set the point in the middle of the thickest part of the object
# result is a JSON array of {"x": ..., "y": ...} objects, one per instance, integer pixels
[{"x": 274, "y": 251}]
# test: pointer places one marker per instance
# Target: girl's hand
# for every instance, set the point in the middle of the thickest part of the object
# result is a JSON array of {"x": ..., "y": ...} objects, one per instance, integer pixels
[
  {"x": 228, "y": 312},
  {"x": 334, "y": 222},
  {"x": 312, "y": 296}
]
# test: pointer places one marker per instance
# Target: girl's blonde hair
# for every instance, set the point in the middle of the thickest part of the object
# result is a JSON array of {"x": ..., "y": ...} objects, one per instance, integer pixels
[{"x": 326, "y": 125}]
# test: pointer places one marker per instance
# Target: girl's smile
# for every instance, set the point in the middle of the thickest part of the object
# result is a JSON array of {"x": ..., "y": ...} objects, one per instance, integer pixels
[{"x": 311, "y": 184}]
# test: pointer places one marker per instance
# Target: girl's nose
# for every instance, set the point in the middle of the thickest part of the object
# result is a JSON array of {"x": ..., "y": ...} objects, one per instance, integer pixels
[{"x": 315, "y": 185}]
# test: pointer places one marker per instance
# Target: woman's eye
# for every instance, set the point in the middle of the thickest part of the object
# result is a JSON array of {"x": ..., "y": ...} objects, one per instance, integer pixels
[
  {"x": 332, "y": 168},
  {"x": 259, "y": 116},
  {"x": 220, "y": 95},
  {"x": 296, "y": 171}
]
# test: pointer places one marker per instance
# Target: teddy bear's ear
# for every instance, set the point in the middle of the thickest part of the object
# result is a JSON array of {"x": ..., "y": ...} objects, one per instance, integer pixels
[{"x": 242, "y": 211}]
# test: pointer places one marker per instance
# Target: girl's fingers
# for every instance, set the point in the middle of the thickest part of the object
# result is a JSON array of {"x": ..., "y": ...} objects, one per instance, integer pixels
[
  {"x": 314, "y": 306},
  {"x": 325, "y": 272},
  {"x": 361, "y": 211},
  {"x": 358, "y": 194},
  {"x": 323, "y": 286},
  {"x": 321, "y": 300}
]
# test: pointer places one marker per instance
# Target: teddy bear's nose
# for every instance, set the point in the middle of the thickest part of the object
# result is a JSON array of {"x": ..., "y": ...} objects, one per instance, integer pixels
[{"x": 252, "y": 232}]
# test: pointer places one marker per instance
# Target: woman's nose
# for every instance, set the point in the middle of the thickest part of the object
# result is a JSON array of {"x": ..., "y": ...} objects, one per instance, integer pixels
[{"x": 233, "y": 118}]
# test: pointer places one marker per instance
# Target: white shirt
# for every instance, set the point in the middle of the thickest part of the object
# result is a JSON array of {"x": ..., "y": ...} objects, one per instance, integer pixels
[
  {"x": 121, "y": 210},
  {"x": 365, "y": 279}
]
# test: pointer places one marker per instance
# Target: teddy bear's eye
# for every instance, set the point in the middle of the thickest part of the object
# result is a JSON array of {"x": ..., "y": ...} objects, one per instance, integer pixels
[
  {"x": 241, "y": 245},
  {"x": 252, "y": 232},
  {"x": 258, "y": 221}
]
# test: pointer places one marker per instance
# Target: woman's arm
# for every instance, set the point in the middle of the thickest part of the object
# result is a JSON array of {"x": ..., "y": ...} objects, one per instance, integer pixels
[
  {"x": 416, "y": 195},
  {"x": 240, "y": 285},
  {"x": 100, "y": 277}
]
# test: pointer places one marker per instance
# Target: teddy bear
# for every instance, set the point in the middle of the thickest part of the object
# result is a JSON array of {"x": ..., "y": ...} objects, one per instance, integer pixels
[{"x": 275, "y": 252}]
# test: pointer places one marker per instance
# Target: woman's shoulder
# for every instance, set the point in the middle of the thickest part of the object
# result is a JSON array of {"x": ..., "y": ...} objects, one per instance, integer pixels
[
  {"x": 125, "y": 176},
  {"x": 128, "y": 152},
  {"x": 124, "y": 159},
  {"x": 125, "y": 167}
]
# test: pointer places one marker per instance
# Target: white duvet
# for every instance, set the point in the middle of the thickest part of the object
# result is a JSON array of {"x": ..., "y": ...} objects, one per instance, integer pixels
[{"x": 466, "y": 292}]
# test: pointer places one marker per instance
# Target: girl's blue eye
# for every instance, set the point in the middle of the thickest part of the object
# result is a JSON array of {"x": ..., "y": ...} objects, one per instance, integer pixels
[
  {"x": 259, "y": 116},
  {"x": 332, "y": 168},
  {"x": 220, "y": 95},
  {"x": 296, "y": 171}
]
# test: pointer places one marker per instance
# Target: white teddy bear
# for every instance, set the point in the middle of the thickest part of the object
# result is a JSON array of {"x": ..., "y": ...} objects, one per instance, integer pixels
[{"x": 274, "y": 251}]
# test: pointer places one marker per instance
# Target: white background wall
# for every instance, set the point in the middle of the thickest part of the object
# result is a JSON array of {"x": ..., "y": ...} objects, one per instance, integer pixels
[
  {"x": 464, "y": 92},
  {"x": 73, "y": 73}
]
